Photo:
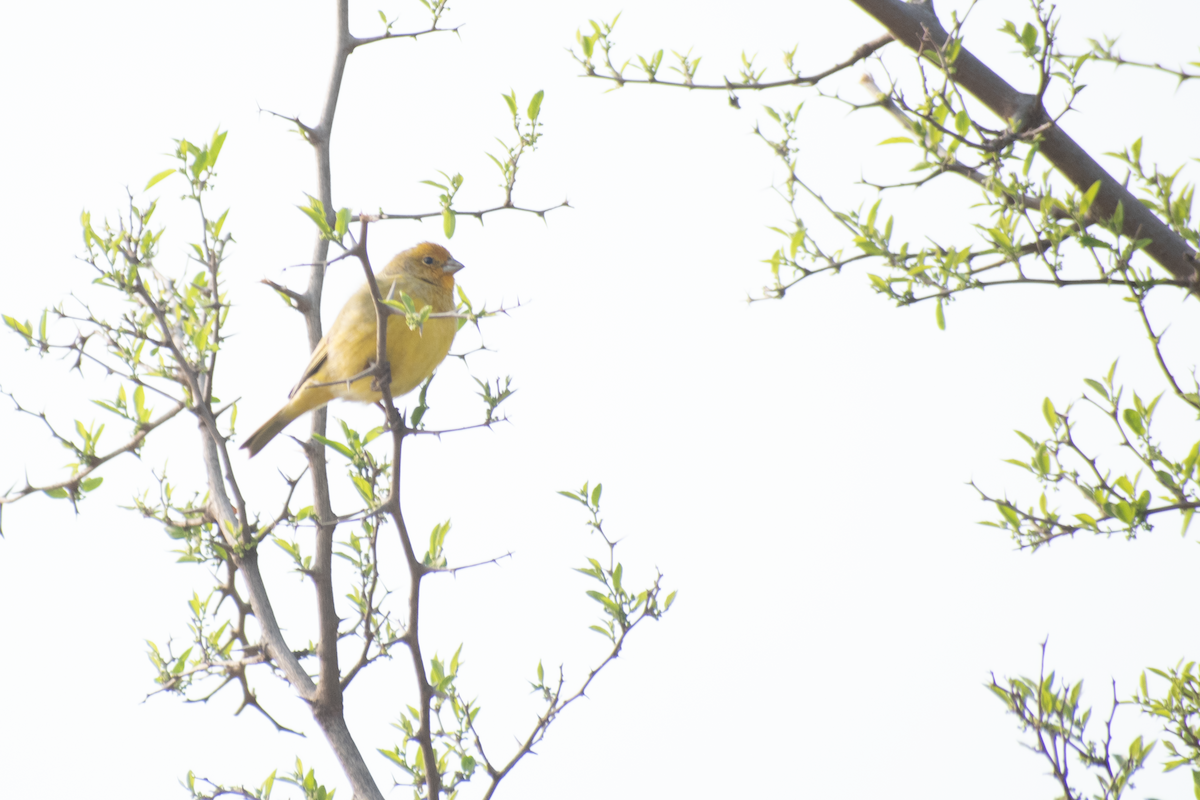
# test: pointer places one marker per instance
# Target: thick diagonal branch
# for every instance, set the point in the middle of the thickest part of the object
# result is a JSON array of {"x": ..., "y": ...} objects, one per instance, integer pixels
[{"x": 917, "y": 26}]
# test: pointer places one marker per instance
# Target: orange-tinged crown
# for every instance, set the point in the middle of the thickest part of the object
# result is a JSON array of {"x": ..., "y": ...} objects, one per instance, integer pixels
[
  {"x": 439, "y": 254},
  {"x": 426, "y": 259}
]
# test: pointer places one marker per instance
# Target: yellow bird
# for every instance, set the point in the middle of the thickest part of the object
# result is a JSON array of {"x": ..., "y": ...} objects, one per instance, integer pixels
[{"x": 426, "y": 274}]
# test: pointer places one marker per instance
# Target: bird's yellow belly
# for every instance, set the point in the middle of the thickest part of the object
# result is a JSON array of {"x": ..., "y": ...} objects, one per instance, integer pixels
[{"x": 411, "y": 356}]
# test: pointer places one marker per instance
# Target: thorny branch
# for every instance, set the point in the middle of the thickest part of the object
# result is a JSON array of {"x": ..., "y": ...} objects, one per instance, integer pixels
[
  {"x": 184, "y": 326},
  {"x": 89, "y": 461}
]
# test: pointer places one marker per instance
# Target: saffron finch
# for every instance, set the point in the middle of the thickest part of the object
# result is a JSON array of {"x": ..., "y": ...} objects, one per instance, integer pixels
[{"x": 426, "y": 274}]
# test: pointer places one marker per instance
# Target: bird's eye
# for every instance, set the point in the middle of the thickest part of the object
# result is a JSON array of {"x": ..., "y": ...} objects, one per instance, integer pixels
[{"x": 428, "y": 260}]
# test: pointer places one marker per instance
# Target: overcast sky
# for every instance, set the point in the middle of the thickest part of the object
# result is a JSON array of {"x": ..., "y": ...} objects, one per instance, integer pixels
[{"x": 798, "y": 469}]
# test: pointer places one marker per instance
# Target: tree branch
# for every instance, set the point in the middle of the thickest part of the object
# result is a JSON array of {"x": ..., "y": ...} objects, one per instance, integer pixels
[
  {"x": 860, "y": 52},
  {"x": 72, "y": 483},
  {"x": 917, "y": 26}
]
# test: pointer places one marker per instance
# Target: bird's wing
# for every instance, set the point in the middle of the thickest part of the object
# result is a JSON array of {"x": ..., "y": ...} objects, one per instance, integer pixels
[{"x": 318, "y": 360}]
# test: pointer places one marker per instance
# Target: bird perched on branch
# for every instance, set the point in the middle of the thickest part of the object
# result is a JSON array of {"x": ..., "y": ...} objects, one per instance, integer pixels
[{"x": 426, "y": 274}]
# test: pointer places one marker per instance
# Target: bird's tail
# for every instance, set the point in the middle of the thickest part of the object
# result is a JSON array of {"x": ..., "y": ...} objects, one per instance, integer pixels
[{"x": 270, "y": 429}]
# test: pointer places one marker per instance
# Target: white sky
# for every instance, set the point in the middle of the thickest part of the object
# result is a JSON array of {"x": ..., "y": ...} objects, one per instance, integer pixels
[{"x": 796, "y": 469}]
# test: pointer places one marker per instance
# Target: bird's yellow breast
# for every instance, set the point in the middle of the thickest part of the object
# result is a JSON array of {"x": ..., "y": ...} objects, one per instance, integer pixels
[{"x": 412, "y": 354}]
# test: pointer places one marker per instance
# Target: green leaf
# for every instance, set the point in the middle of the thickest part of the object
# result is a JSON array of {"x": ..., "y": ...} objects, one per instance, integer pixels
[
  {"x": 1092, "y": 241},
  {"x": 602, "y": 600},
  {"x": 290, "y": 548},
  {"x": 940, "y": 316},
  {"x": 219, "y": 224},
  {"x": 1041, "y": 459},
  {"x": 364, "y": 488},
  {"x": 139, "y": 404},
  {"x": 88, "y": 484},
  {"x": 181, "y": 662},
  {"x": 1085, "y": 202},
  {"x": 1118, "y": 219},
  {"x": 1029, "y": 162},
  {"x": 596, "y": 495},
  {"x": 535, "y": 105},
  {"x": 511, "y": 100},
  {"x": 166, "y": 173},
  {"x": 1134, "y": 421},
  {"x": 953, "y": 50},
  {"x": 316, "y": 212},
  {"x": 962, "y": 122},
  {"x": 23, "y": 329},
  {"x": 1029, "y": 37},
  {"x": 1050, "y": 414},
  {"x": 214, "y": 149},
  {"x": 57, "y": 494},
  {"x": 200, "y": 163},
  {"x": 1097, "y": 386},
  {"x": 341, "y": 448},
  {"x": 1009, "y": 514},
  {"x": 448, "y": 223}
]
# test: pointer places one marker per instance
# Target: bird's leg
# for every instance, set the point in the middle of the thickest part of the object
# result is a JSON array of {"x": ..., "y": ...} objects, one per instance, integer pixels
[{"x": 383, "y": 377}]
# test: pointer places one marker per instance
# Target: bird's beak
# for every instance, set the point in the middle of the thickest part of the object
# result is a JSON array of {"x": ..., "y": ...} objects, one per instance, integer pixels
[{"x": 452, "y": 266}]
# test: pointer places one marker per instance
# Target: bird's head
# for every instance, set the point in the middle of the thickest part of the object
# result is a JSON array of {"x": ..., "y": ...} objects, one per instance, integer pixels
[{"x": 428, "y": 262}]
